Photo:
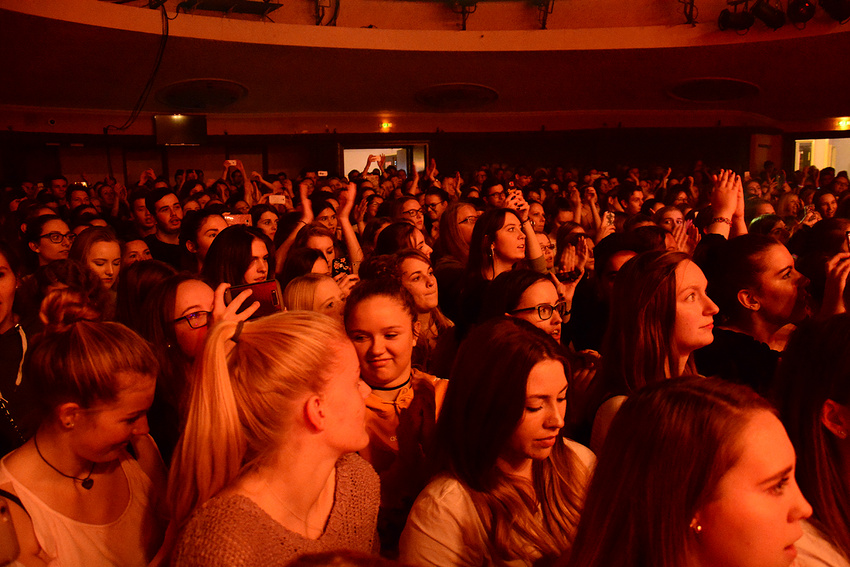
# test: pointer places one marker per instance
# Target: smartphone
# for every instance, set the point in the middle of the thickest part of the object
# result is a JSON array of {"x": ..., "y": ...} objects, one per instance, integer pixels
[
  {"x": 9, "y": 549},
  {"x": 781, "y": 179},
  {"x": 339, "y": 266},
  {"x": 231, "y": 163},
  {"x": 847, "y": 238},
  {"x": 322, "y": 173},
  {"x": 232, "y": 218},
  {"x": 277, "y": 200},
  {"x": 267, "y": 293},
  {"x": 609, "y": 218}
]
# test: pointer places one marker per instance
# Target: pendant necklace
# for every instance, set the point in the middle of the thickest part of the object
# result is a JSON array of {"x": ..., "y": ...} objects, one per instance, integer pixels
[{"x": 87, "y": 482}]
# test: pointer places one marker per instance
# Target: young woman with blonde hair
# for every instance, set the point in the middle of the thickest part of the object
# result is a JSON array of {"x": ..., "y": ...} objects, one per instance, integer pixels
[
  {"x": 511, "y": 488},
  {"x": 265, "y": 470},
  {"x": 314, "y": 292}
]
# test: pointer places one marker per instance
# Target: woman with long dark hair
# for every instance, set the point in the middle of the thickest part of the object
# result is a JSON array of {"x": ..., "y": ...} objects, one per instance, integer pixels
[{"x": 510, "y": 488}]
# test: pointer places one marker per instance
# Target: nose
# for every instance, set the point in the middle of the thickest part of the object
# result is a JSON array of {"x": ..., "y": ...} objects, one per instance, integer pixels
[
  {"x": 109, "y": 270},
  {"x": 555, "y": 419},
  {"x": 802, "y": 281},
  {"x": 141, "y": 426},
  {"x": 710, "y": 307},
  {"x": 430, "y": 282},
  {"x": 801, "y": 508},
  {"x": 427, "y": 249},
  {"x": 556, "y": 318}
]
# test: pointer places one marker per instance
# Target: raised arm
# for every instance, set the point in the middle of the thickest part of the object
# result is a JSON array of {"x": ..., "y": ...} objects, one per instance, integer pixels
[
  {"x": 306, "y": 218},
  {"x": 724, "y": 202},
  {"x": 355, "y": 253}
]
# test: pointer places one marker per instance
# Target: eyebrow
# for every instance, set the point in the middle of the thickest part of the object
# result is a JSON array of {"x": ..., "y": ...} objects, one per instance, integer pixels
[
  {"x": 784, "y": 472},
  {"x": 785, "y": 270},
  {"x": 546, "y": 397},
  {"x": 193, "y": 308}
]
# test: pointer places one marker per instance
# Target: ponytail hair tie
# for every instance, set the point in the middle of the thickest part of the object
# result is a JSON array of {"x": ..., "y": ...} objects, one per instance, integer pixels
[{"x": 235, "y": 337}]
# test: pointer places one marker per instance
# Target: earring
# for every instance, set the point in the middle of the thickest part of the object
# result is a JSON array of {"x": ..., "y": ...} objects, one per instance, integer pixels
[
  {"x": 842, "y": 433},
  {"x": 695, "y": 525},
  {"x": 70, "y": 425}
]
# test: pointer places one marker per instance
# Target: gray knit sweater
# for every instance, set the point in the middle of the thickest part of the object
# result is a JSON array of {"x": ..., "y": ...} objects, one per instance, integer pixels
[{"x": 232, "y": 530}]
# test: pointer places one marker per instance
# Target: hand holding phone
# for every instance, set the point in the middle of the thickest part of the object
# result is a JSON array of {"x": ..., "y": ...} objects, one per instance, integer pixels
[{"x": 266, "y": 293}]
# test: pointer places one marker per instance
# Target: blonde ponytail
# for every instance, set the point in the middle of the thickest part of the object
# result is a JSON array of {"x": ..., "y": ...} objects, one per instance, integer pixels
[{"x": 242, "y": 398}]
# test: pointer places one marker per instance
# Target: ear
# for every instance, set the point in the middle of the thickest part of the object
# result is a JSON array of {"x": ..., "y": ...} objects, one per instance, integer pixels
[
  {"x": 836, "y": 418},
  {"x": 314, "y": 413},
  {"x": 417, "y": 328},
  {"x": 33, "y": 246},
  {"x": 747, "y": 298},
  {"x": 68, "y": 413},
  {"x": 190, "y": 246}
]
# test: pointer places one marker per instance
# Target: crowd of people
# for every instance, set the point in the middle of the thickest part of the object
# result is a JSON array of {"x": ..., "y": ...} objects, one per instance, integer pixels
[{"x": 497, "y": 367}]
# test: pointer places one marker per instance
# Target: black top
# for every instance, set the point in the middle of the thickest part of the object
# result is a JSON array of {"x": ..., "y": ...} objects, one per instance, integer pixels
[
  {"x": 164, "y": 252},
  {"x": 738, "y": 358}
]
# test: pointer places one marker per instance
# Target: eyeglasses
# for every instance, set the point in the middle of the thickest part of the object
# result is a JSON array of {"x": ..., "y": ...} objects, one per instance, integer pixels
[
  {"x": 549, "y": 247},
  {"x": 469, "y": 220},
  {"x": 413, "y": 213},
  {"x": 544, "y": 310},
  {"x": 433, "y": 206},
  {"x": 497, "y": 194},
  {"x": 197, "y": 319},
  {"x": 58, "y": 237}
]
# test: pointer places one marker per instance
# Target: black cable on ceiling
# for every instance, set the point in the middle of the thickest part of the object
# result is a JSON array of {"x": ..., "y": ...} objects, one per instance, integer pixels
[{"x": 143, "y": 96}]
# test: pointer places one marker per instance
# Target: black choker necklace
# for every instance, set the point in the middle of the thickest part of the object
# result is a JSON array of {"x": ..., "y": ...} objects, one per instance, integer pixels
[
  {"x": 86, "y": 482},
  {"x": 399, "y": 387}
]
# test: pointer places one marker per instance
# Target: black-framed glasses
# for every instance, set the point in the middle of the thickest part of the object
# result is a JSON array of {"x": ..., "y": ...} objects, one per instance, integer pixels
[
  {"x": 545, "y": 310},
  {"x": 413, "y": 213},
  {"x": 433, "y": 206},
  {"x": 501, "y": 193},
  {"x": 197, "y": 319},
  {"x": 58, "y": 237}
]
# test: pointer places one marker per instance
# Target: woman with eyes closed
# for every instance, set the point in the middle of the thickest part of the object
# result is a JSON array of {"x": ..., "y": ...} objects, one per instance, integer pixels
[
  {"x": 100, "y": 250},
  {"x": 510, "y": 488},
  {"x": 402, "y": 408},
  {"x": 660, "y": 314},
  {"x": 197, "y": 233}
]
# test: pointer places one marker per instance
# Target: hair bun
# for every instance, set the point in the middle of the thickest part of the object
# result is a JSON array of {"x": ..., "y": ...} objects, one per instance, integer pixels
[{"x": 62, "y": 308}]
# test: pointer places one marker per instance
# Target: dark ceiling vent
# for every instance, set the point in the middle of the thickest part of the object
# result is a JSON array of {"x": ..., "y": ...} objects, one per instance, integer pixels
[
  {"x": 713, "y": 89},
  {"x": 456, "y": 96},
  {"x": 201, "y": 94}
]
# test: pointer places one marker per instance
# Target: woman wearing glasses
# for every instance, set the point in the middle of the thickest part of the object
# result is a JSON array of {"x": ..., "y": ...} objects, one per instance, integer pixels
[
  {"x": 528, "y": 295},
  {"x": 49, "y": 238},
  {"x": 178, "y": 314},
  {"x": 408, "y": 209}
]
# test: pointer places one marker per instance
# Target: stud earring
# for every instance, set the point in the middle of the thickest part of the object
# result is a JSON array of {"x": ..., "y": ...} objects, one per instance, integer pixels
[
  {"x": 696, "y": 526},
  {"x": 842, "y": 433}
]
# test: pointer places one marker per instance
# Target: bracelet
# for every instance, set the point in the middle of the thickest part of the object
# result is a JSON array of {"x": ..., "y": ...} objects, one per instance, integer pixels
[
  {"x": 301, "y": 220},
  {"x": 723, "y": 220},
  {"x": 522, "y": 223}
]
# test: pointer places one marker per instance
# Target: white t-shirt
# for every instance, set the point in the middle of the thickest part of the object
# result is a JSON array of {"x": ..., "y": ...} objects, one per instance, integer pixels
[{"x": 443, "y": 527}]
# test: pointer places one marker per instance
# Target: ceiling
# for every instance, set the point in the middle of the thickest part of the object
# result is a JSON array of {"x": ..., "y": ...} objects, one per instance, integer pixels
[{"x": 50, "y": 65}]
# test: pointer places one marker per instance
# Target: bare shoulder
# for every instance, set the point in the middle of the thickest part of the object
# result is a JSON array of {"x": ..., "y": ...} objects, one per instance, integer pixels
[{"x": 149, "y": 459}]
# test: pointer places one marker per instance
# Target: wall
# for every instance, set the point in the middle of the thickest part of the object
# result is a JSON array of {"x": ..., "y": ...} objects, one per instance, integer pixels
[{"x": 26, "y": 156}]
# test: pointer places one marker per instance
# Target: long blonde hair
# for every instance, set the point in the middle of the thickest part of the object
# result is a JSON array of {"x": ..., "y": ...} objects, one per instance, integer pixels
[
  {"x": 300, "y": 293},
  {"x": 242, "y": 396}
]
